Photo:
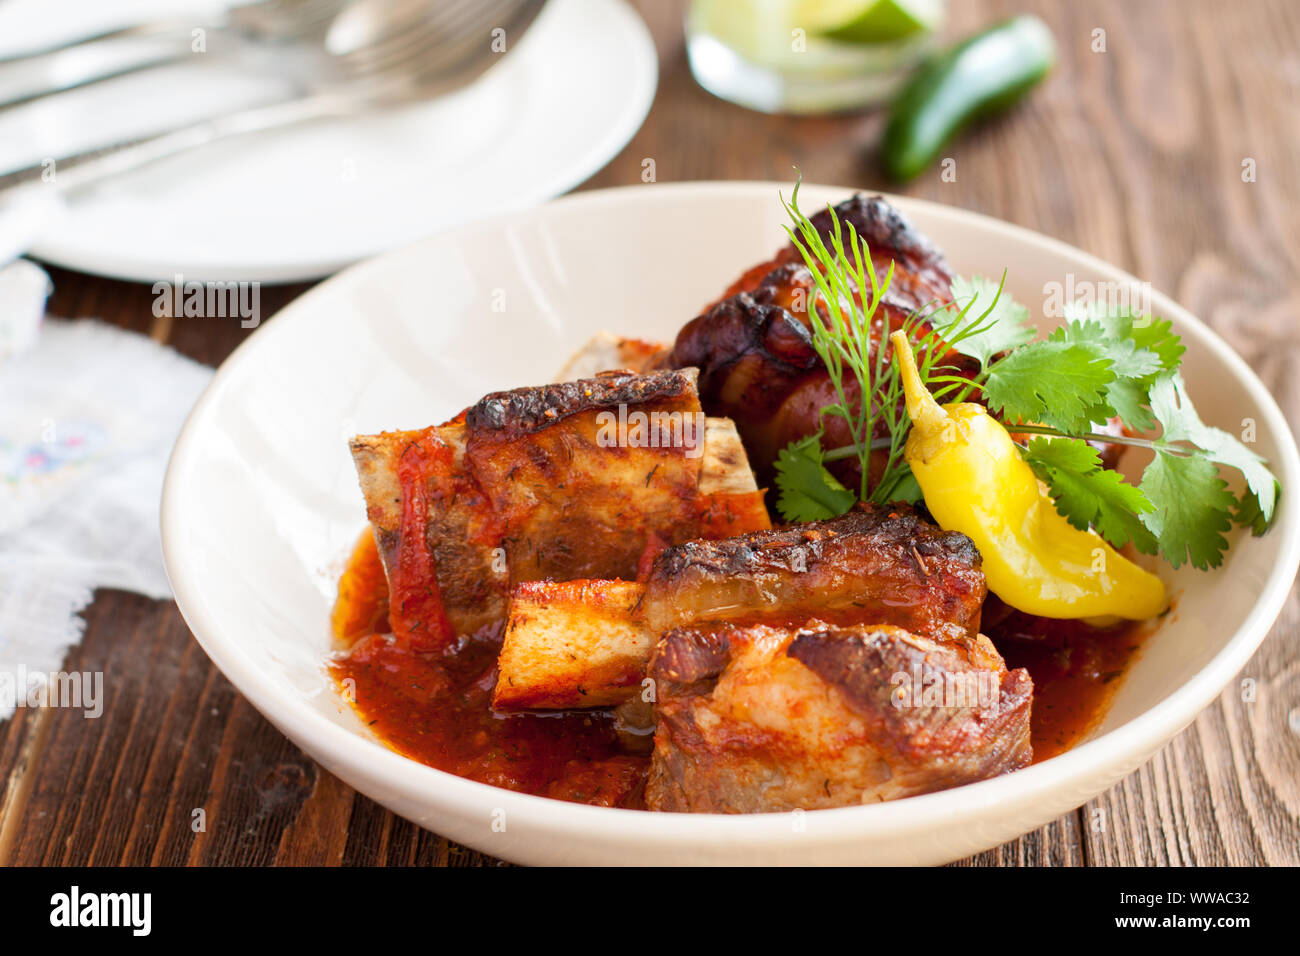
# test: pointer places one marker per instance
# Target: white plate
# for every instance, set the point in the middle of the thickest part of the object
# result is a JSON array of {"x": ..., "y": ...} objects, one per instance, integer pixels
[
  {"x": 261, "y": 505},
  {"x": 304, "y": 202}
]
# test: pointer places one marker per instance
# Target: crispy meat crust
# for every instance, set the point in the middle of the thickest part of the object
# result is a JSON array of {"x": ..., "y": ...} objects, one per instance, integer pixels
[
  {"x": 921, "y": 272},
  {"x": 539, "y": 473},
  {"x": 573, "y": 504},
  {"x": 763, "y": 719},
  {"x": 872, "y": 565},
  {"x": 520, "y": 412},
  {"x": 755, "y": 355}
]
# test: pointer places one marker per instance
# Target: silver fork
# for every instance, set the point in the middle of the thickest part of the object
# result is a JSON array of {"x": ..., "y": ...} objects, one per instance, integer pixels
[
  {"x": 376, "y": 54},
  {"x": 71, "y": 65}
]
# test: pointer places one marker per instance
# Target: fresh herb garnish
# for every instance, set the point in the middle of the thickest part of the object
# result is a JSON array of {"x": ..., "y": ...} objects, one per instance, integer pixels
[
  {"x": 808, "y": 492},
  {"x": 1099, "y": 365},
  {"x": 847, "y": 295},
  {"x": 845, "y": 298},
  {"x": 1102, "y": 365},
  {"x": 1003, "y": 326},
  {"x": 1089, "y": 495}
]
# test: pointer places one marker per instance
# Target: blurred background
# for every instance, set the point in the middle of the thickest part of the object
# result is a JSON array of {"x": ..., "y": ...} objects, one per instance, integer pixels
[{"x": 1134, "y": 146}]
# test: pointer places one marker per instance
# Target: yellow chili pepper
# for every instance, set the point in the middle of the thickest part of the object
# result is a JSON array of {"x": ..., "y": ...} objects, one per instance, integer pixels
[{"x": 975, "y": 481}]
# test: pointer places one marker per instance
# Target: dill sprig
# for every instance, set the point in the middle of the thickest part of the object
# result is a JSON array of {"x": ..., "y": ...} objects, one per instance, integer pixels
[{"x": 848, "y": 294}]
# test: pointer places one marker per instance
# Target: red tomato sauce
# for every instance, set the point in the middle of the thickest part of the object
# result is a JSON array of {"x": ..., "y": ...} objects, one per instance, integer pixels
[
  {"x": 421, "y": 621},
  {"x": 1076, "y": 670},
  {"x": 435, "y": 706}
]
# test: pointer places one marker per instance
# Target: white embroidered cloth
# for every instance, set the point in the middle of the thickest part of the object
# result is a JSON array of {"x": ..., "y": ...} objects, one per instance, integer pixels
[{"x": 88, "y": 417}]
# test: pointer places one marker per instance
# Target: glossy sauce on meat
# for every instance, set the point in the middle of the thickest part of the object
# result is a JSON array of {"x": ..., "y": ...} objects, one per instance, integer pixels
[{"x": 435, "y": 707}]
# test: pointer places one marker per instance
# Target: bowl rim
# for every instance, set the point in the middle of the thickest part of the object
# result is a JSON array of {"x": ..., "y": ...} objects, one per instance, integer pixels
[{"x": 337, "y": 746}]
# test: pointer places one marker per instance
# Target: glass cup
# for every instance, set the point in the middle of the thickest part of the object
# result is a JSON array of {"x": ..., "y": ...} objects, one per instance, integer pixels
[{"x": 769, "y": 55}]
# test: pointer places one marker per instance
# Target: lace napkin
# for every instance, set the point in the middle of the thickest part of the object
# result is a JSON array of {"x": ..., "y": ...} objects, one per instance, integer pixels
[{"x": 88, "y": 416}]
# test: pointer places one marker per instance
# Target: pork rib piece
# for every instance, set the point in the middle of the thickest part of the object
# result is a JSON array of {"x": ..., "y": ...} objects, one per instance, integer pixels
[
  {"x": 585, "y": 643},
  {"x": 875, "y": 564},
  {"x": 541, "y": 483},
  {"x": 755, "y": 719}
]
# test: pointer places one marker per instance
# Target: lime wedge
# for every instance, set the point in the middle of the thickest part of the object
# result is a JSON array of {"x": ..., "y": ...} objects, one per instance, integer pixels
[{"x": 870, "y": 21}]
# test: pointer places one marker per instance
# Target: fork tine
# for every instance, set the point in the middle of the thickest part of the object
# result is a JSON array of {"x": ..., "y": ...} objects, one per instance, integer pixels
[{"x": 450, "y": 34}]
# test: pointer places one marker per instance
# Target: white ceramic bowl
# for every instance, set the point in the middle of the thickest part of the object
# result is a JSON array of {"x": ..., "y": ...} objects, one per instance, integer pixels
[{"x": 261, "y": 506}]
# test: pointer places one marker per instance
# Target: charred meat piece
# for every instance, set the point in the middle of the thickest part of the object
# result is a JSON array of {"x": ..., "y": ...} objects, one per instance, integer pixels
[
  {"x": 756, "y": 358},
  {"x": 571, "y": 644},
  {"x": 757, "y": 719},
  {"x": 577, "y": 498},
  {"x": 754, "y": 347},
  {"x": 872, "y": 565},
  {"x": 585, "y": 643},
  {"x": 921, "y": 273},
  {"x": 583, "y": 479}
]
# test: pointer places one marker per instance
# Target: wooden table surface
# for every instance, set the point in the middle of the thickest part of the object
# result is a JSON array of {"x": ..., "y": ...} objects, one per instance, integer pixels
[{"x": 1135, "y": 154}]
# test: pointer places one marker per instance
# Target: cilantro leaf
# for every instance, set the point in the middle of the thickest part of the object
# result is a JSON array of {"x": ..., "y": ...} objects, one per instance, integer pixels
[
  {"x": 905, "y": 488},
  {"x": 1221, "y": 447},
  {"x": 1145, "y": 332},
  {"x": 1157, "y": 335},
  {"x": 808, "y": 492},
  {"x": 1134, "y": 368},
  {"x": 999, "y": 324},
  {"x": 1127, "y": 360},
  {"x": 1180, "y": 421},
  {"x": 1191, "y": 508},
  {"x": 1248, "y": 514},
  {"x": 1054, "y": 382},
  {"x": 1128, "y": 399},
  {"x": 1089, "y": 495}
]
